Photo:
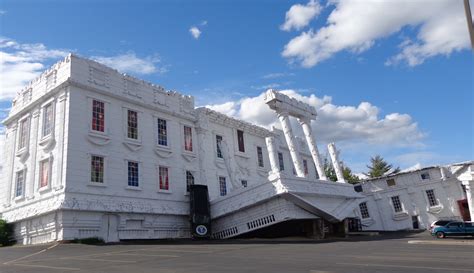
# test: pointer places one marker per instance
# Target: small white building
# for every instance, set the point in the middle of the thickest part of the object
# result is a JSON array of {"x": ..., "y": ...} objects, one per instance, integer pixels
[
  {"x": 414, "y": 199},
  {"x": 91, "y": 152}
]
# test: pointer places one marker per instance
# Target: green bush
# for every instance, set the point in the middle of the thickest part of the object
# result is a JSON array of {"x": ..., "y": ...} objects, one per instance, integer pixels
[{"x": 6, "y": 233}]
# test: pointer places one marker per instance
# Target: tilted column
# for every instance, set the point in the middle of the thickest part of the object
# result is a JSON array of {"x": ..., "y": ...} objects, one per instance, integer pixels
[
  {"x": 290, "y": 140},
  {"x": 313, "y": 148},
  {"x": 10, "y": 146},
  {"x": 272, "y": 154},
  {"x": 335, "y": 163},
  {"x": 30, "y": 183}
]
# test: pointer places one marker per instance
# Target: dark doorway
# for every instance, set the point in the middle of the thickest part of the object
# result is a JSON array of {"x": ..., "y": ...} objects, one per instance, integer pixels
[
  {"x": 414, "y": 220},
  {"x": 464, "y": 209}
]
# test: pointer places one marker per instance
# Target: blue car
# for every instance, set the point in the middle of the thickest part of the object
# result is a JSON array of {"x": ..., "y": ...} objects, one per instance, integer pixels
[{"x": 454, "y": 228}]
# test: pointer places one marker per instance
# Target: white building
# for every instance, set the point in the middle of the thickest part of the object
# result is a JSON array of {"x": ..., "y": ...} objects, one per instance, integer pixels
[
  {"x": 90, "y": 152},
  {"x": 414, "y": 199}
]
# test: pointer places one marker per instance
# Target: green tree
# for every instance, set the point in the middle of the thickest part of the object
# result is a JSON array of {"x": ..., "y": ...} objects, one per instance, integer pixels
[
  {"x": 6, "y": 233},
  {"x": 379, "y": 167},
  {"x": 346, "y": 172}
]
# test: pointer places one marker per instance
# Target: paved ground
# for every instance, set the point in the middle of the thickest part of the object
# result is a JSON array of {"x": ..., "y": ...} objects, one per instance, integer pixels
[{"x": 385, "y": 253}]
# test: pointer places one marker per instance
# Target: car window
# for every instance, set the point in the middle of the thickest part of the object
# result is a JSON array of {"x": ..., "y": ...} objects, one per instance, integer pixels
[
  {"x": 468, "y": 224},
  {"x": 441, "y": 223}
]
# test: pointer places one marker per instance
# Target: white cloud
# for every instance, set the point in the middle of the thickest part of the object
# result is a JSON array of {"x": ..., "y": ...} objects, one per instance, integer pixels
[
  {"x": 21, "y": 63},
  {"x": 361, "y": 123},
  {"x": 195, "y": 32},
  {"x": 131, "y": 63},
  {"x": 299, "y": 16},
  {"x": 356, "y": 25},
  {"x": 276, "y": 75},
  {"x": 2, "y": 12}
]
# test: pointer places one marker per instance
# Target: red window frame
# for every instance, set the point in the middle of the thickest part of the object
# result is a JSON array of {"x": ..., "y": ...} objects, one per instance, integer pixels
[{"x": 98, "y": 116}]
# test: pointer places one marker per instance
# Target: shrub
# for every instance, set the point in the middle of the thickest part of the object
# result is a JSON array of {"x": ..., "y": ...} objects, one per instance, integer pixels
[{"x": 6, "y": 233}]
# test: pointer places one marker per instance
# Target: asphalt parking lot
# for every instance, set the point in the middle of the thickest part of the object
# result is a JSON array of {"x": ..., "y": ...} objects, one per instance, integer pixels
[{"x": 385, "y": 253}]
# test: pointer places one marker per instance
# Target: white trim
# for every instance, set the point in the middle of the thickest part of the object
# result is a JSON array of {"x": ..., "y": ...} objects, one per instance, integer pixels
[
  {"x": 104, "y": 178},
  {"x": 40, "y": 174}
]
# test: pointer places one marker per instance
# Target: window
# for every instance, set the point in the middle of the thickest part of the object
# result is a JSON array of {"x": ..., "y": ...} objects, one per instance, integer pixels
[
  {"x": 219, "y": 146},
  {"x": 240, "y": 140},
  {"x": 19, "y": 183},
  {"x": 162, "y": 132},
  {"x": 188, "y": 139},
  {"x": 23, "y": 134},
  {"x": 44, "y": 173},
  {"x": 364, "y": 211},
  {"x": 244, "y": 183},
  {"x": 425, "y": 176},
  {"x": 98, "y": 116},
  {"x": 280, "y": 162},
  {"x": 305, "y": 166},
  {"x": 222, "y": 186},
  {"x": 431, "y": 198},
  {"x": 391, "y": 182},
  {"x": 260, "y": 156},
  {"x": 47, "y": 120},
  {"x": 132, "y": 124},
  {"x": 189, "y": 180},
  {"x": 164, "y": 178},
  {"x": 132, "y": 174},
  {"x": 97, "y": 169},
  {"x": 397, "y": 205}
]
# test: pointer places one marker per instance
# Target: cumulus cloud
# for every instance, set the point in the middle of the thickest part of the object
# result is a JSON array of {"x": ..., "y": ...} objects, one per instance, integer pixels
[
  {"x": 355, "y": 26},
  {"x": 195, "y": 32},
  {"x": 361, "y": 123},
  {"x": 21, "y": 63},
  {"x": 299, "y": 16},
  {"x": 131, "y": 63}
]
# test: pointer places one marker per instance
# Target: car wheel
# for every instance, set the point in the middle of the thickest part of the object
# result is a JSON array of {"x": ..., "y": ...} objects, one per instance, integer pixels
[{"x": 440, "y": 235}]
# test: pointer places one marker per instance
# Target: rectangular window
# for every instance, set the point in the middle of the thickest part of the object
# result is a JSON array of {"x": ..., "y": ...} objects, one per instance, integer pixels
[
  {"x": 391, "y": 182},
  {"x": 164, "y": 178},
  {"x": 397, "y": 205},
  {"x": 240, "y": 140},
  {"x": 280, "y": 162},
  {"x": 132, "y": 124},
  {"x": 98, "y": 116},
  {"x": 162, "y": 132},
  {"x": 44, "y": 173},
  {"x": 364, "y": 211},
  {"x": 97, "y": 169},
  {"x": 260, "y": 156},
  {"x": 219, "y": 146},
  {"x": 244, "y": 183},
  {"x": 23, "y": 134},
  {"x": 47, "y": 120},
  {"x": 189, "y": 180},
  {"x": 222, "y": 186},
  {"x": 188, "y": 139},
  {"x": 19, "y": 183},
  {"x": 431, "y": 198},
  {"x": 425, "y": 176},
  {"x": 305, "y": 166},
  {"x": 132, "y": 174}
]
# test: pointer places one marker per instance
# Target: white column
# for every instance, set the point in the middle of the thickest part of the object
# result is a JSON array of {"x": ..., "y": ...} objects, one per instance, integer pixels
[
  {"x": 290, "y": 140},
  {"x": 335, "y": 163},
  {"x": 313, "y": 148},
  {"x": 10, "y": 160},
  {"x": 30, "y": 184},
  {"x": 272, "y": 154},
  {"x": 469, "y": 185},
  {"x": 62, "y": 133}
]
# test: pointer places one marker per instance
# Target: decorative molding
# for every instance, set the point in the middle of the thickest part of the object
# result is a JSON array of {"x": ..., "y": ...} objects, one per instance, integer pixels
[
  {"x": 132, "y": 146},
  {"x": 163, "y": 153},
  {"x": 48, "y": 143},
  {"x": 435, "y": 209},
  {"x": 97, "y": 139},
  {"x": 399, "y": 216},
  {"x": 189, "y": 157}
]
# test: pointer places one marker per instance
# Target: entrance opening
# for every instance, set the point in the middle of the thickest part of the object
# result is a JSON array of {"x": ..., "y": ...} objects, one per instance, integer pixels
[
  {"x": 414, "y": 220},
  {"x": 464, "y": 210}
]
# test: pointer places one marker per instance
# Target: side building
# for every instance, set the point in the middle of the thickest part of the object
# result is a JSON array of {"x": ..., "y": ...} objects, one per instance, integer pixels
[
  {"x": 414, "y": 199},
  {"x": 91, "y": 152}
]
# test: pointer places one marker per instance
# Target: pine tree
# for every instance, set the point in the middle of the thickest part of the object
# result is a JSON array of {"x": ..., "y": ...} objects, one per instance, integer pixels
[{"x": 379, "y": 167}]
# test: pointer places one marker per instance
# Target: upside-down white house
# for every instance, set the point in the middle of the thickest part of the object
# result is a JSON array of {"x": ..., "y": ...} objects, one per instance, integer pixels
[{"x": 91, "y": 152}]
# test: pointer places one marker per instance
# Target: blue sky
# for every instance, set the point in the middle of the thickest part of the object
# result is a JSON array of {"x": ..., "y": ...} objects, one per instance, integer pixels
[{"x": 392, "y": 78}]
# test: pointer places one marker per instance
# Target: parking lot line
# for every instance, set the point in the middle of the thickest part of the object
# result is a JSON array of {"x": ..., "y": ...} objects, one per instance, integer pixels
[
  {"x": 145, "y": 255},
  {"x": 96, "y": 260},
  {"x": 448, "y": 269},
  {"x": 46, "y": 266},
  {"x": 31, "y": 255}
]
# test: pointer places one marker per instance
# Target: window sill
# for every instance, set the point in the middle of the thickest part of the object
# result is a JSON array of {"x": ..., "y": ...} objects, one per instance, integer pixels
[
  {"x": 44, "y": 189},
  {"x": 132, "y": 145},
  {"x": 165, "y": 191},
  {"x": 133, "y": 188},
  {"x": 96, "y": 184},
  {"x": 242, "y": 154},
  {"x": 19, "y": 198},
  {"x": 398, "y": 216},
  {"x": 163, "y": 151},
  {"x": 435, "y": 209},
  {"x": 98, "y": 138},
  {"x": 189, "y": 156}
]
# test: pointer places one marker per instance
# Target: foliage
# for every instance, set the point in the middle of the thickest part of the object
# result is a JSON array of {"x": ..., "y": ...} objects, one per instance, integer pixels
[
  {"x": 346, "y": 172},
  {"x": 6, "y": 233},
  {"x": 379, "y": 167}
]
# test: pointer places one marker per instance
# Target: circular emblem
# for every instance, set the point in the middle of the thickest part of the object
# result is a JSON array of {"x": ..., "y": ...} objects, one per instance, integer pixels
[{"x": 201, "y": 230}]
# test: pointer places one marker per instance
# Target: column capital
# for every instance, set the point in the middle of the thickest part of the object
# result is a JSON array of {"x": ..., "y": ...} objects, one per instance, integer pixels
[
  {"x": 304, "y": 120},
  {"x": 283, "y": 112}
]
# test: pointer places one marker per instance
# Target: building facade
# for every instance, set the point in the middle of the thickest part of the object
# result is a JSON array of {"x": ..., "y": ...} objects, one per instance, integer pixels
[
  {"x": 91, "y": 152},
  {"x": 414, "y": 199}
]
